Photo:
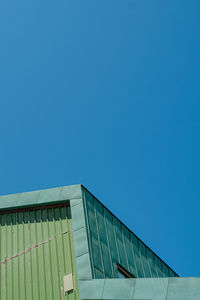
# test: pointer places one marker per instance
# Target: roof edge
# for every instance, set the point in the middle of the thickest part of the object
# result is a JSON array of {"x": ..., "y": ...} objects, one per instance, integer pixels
[
  {"x": 173, "y": 288},
  {"x": 40, "y": 197}
]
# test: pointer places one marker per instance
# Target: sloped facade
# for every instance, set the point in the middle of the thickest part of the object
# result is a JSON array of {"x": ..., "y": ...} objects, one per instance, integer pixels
[
  {"x": 112, "y": 243},
  {"x": 48, "y": 234}
]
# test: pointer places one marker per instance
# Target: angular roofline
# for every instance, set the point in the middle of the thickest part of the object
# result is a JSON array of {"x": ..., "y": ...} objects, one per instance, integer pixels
[
  {"x": 53, "y": 196},
  {"x": 96, "y": 289},
  {"x": 130, "y": 230}
]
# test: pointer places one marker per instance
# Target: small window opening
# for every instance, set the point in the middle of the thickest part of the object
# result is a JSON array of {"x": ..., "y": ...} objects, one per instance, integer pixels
[{"x": 123, "y": 273}]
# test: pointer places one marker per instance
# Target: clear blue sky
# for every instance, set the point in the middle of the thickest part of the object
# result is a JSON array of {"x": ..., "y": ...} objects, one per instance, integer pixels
[{"x": 107, "y": 94}]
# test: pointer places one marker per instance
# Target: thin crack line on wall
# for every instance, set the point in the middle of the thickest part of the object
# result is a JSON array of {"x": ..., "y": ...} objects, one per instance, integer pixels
[{"x": 31, "y": 248}]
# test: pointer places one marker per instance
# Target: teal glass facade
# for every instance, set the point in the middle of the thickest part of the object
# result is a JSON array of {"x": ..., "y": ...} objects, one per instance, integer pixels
[{"x": 112, "y": 243}]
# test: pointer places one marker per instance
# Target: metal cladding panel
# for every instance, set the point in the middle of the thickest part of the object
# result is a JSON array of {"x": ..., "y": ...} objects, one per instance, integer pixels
[
  {"x": 36, "y": 251},
  {"x": 175, "y": 288},
  {"x": 111, "y": 242}
]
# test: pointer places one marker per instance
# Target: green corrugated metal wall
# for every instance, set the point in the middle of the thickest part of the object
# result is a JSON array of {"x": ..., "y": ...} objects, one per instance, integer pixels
[{"x": 36, "y": 251}]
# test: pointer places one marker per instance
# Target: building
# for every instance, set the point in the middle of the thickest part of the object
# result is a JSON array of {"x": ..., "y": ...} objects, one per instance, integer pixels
[{"x": 62, "y": 243}]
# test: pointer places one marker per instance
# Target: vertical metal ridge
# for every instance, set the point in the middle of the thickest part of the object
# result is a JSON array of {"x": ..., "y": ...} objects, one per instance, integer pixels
[
  {"x": 30, "y": 254},
  {"x": 72, "y": 258},
  {"x": 18, "y": 262},
  {"x": 37, "y": 256},
  {"x": 33, "y": 261},
  {"x": 49, "y": 246},
  {"x": 61, "y": 248},
  {"x": 43, "y": 255},
  {"x": 56, "y": 249},
  {"x": 23, "y": 230},
  {"x": 4, "y": 287},
  {"x": 11, "y": 267},
  {"x": 62, "y": 230},
  {"x": 6, "y": 254},
  {"x": 14, "y": 267},
  {"x": 46, "y": 251}
]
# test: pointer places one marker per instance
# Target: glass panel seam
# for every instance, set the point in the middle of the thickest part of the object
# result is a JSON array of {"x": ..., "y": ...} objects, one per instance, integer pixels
[
  {"x": 141, "y": 260},
  {"x": 100, "y": 248},
  {"x": 106, "y": 230},
  {"x": 125, "y": 248},
  {"x": 115, "y": 239},
  {"x": 148, "y": 263},
  {"x": 133, "y": 254}
]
